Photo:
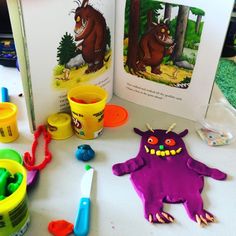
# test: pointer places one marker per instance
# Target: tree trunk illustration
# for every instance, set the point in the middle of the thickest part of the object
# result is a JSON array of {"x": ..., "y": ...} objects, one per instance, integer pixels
[
  {"x": 181, "y": 26},
  {"x": 167, "y": 13},
  {"x": 199, "y": 13},
  {"x": 197, "y": 27},
  {"x": 133, "y": 36},
  {"x": 149, "y": 19}
]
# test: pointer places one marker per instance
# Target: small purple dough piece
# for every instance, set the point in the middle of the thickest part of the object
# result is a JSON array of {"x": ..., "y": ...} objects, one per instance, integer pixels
[
  {"x": 32, "y": 177},
  {"x": 164, "y": 172}
]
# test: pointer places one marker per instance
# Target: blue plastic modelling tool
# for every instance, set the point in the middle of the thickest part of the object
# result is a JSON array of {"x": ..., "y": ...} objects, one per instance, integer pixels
[
  {"x": 81, "y": 226},
  {"x": 4, "y": 92}
]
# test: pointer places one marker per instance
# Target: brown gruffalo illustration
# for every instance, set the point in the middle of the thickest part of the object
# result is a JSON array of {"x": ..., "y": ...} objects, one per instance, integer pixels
[
  {"x": 154, "y": 45},
  {"x": 90, "y": 29}
]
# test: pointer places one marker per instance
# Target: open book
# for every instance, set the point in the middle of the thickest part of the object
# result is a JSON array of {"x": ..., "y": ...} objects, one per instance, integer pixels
[{"x": 160, "y": 54}]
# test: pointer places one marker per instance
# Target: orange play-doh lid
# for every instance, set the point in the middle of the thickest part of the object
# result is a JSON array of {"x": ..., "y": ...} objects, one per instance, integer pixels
[{"x": 114, "y": 115}]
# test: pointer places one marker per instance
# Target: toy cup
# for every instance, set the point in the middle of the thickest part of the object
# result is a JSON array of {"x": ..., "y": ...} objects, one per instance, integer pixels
[
  {"x": 87, "y": 103},
  {"x": 8, "y": 122},
  {"x": 14, "y": 212}
]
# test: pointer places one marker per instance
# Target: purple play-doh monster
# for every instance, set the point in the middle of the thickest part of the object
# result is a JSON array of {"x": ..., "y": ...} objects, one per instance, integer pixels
[{"x": 164, "y": 172}]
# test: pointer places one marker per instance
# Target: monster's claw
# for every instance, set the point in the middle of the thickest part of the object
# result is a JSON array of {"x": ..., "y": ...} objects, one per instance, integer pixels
[
  {"x": 203, "y": 220},
  {"x": 131, "y": 71},
  {"x": 198, "y": 219},
  {"x": 150, "y": 219},
  {"x": 210, "y": 218},
  {"x": 203, "y": 217},
  {"x": 168, "y": 217},
  {"x": 137, "y": 73},
  {"x": 159, "y": 218}
]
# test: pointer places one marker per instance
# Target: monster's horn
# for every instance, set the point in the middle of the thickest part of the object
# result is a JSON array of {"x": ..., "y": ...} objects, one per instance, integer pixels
[
  {"x": 149, "y": 127},
  {"x": 158, "y": 21},
  {"x": 166, "y": 20},
  {"x": 78, "y": 2},
  {"x": 171, "y": 127},
  {"x": 138, "y": 131},
  {"x": 183, "y": 133},
  {"x": 84, "y": 3},
  {"x": 72, "y": 11}
]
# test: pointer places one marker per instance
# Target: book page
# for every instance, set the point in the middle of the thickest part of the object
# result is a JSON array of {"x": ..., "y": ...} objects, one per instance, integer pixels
[
  {"x": 167, "y": 53},
  {"x": 69, "y": 43},
  {"x": 18, "y": 34}
]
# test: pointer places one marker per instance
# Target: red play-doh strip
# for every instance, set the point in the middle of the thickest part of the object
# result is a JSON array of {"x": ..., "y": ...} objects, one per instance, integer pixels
[{"x": 29, "y": 160}]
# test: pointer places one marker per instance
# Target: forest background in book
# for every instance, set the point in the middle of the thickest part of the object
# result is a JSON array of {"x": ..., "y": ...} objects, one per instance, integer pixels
[{"x": 161, "y": 41}]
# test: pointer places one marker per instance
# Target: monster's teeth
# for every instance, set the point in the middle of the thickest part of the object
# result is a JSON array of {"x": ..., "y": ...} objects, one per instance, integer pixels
[
  {"x": 172, "y": 152},
  {"x": 158, "y": 153},
  {"x": 152, "y": 151},
  {"x": 163, "y": 153},
  {"x": 167, "y": 152},
  {"x": 83, "y": 23},
  {"x": 146, "y": 148},
  {"x": 179, "y": 150}
]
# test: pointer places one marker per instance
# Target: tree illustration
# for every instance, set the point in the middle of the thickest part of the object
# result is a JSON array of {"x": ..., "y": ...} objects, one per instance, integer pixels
[
  {"x": 133, "y": 36},
  {"x": 167, "y": 13},
  {"x": 149, "y": 19},
  {"x": 149, "y": 12},
  {"x": 138, "y": 18},
  {"x": 199, "y": 13},
  {"x": 181, "y": 27},
  {"x": 144, "y": 7},
  {"x": 66, "y": 49}
]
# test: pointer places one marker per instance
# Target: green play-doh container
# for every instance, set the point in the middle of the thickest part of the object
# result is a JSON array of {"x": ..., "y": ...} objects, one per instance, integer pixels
[{"x": 14, "y": 213}]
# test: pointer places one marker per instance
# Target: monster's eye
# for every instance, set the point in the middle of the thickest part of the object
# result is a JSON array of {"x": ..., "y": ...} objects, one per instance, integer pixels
[
  {"x": 170, "y": 142},
  {"x": 78, "y": 19},
  {"x": 163, "y": 30},
  {"x": 168, "y": 32},
  {"x": 152, "y": 140}
]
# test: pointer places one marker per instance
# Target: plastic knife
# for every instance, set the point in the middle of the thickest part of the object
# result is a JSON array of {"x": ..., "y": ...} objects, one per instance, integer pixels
[{"x": 81, "y": 226}]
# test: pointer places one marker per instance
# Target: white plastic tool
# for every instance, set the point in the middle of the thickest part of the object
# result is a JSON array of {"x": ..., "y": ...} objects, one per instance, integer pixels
[{"x": 81, "y": 226}]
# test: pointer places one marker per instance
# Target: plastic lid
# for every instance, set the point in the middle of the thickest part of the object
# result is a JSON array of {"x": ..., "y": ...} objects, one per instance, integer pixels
[
  {"x": 10, "y": 154},
  {"x": 114, "y": 115},
  {"x": 218, "y": 127},
  {"x": 220, "y": 117},
  {"x": 7, "y": 111},
  {"x": 59, "y": 119}
]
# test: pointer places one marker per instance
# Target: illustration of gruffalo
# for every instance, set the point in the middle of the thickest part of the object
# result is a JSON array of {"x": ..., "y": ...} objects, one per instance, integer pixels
[
  {"x": 90, "y": 28},
  {"x": 164, "y": 172},
  {"x": 154, "y": 45}
]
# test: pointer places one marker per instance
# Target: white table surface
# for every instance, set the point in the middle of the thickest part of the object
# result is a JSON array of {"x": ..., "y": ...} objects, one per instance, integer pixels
[{"x": 116, "y": 208}]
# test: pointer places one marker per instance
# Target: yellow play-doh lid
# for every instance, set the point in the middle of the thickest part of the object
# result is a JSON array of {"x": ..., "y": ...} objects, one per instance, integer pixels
[
  {"x": 7, "y": 111},
  {"x": 59, "y": 126}
]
